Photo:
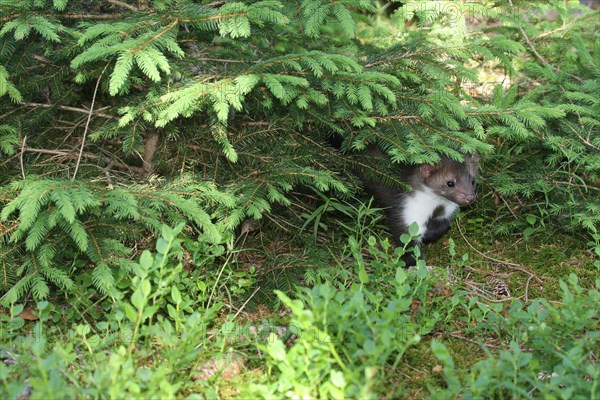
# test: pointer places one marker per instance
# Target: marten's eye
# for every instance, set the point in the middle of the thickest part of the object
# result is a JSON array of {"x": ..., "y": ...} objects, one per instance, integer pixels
[
  {"x": 450, "y": 183},
  {"x": 473, "y": 182}
]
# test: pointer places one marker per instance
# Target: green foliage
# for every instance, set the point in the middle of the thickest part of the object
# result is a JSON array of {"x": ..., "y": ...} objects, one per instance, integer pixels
[
  {"x": 357, "y": 221},
  {"x": 559, "y": 185},
  {"x": 549, "y": 352},
  {"x": 248, "y": 91},
  {"x": 351, "y": 338},
  {"x": 50, "y": 223},
  {"x": 353, "y": 334},
  {"x": 6, "y": 87},
  {"x": 143, "y": 342},
  {"x": 203, "y": 114},
  {"x": 8, "y": 139}
]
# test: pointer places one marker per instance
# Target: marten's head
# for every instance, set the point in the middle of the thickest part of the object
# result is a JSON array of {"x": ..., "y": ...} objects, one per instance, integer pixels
[{"x": 453, "y": 180}]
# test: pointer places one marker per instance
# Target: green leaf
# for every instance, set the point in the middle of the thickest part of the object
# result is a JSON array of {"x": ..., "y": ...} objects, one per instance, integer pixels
[
  {"x": 146, "y": 287},
  {"x": 401, "y": 276},
  {"x": 146, "y": 260},
  {"x": 413, "y": 229},
  {"x": 362, "y": 274},
  {"x": 442, "y": 353},
  {"x": 16, "y": 310},
  {"x": 162, "y": 246},
  {"x": 176, "y": 295},
  {"x": 130, "y": 312},
  {"x": 138, "y": 299},
  {"x": 276, "y": 348},
  {"x": 167, "y": 233},
  {"x": 83, "y": 329},
  {"x": 338, "y": 379}
]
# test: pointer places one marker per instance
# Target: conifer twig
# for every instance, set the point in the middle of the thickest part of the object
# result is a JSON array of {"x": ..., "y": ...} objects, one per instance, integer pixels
[
  {"x": 101, "y": 17},
  {"x": 529, "y": 43},
  {"x": 87, "y": 123},
  {"x": 223, "y": 60}
]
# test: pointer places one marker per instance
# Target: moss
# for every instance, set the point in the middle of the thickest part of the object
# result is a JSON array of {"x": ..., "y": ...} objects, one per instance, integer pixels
[{"x": 420, "y": 371}]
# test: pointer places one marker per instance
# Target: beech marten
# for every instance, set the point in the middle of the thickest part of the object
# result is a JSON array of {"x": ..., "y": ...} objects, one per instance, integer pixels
[{"x": 437, "y": 192}]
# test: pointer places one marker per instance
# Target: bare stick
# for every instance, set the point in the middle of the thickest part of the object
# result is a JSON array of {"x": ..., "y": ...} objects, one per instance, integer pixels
[
  {"x": 87, "y": 124},
  {"x": 21, "y": 157},
  {"x": 246, "y": 302},
  {"x": 56, "y": 152},
  {"x": 456, "y": 335},
  {"x": 124, "y": 5},
  {"x": 68, "y": 155},
  {"x": 507, "y": 206},
  {"x": 224, "y": 60},
  {"x": 526, "y": 298},
  {"x": 80, "y": 110}
]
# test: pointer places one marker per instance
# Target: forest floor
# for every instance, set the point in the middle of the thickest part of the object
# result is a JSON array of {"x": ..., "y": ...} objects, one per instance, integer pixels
[{"x": 486, "y": 267}]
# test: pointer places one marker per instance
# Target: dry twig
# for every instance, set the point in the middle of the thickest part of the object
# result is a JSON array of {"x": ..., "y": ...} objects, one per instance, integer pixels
[
  {"x": 519, "y": 267},
  {"x": 21, "y": 157},
  {"x": 124, "y": 5},
  {"x": 87, "y": 124}
]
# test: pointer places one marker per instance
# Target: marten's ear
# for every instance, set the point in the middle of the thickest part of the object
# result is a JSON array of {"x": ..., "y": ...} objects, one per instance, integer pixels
[
  {"x": 426, "y": 170},
  {"x": 474, "y": 158}
]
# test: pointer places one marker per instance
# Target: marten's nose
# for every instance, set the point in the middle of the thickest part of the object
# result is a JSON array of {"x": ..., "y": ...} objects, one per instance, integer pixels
[{"x": 470, "y": 199}]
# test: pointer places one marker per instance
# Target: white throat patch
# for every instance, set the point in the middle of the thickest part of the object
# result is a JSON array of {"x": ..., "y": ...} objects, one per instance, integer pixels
[{"x": 418, "y": 206}]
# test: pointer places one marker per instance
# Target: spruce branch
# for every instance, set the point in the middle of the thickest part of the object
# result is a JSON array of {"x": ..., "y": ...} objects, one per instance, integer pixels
[
  {"x": 541, "y": 59},
  {"x": 215, "y": 17},
  {"x": 578, "y": 19},
  {"x": 154, "y": 38},
  {"x": 76, "y": 16}
]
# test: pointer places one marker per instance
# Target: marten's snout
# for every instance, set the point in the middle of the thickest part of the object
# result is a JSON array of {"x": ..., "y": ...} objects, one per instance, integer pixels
[{"x": 464, "y": 199}]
